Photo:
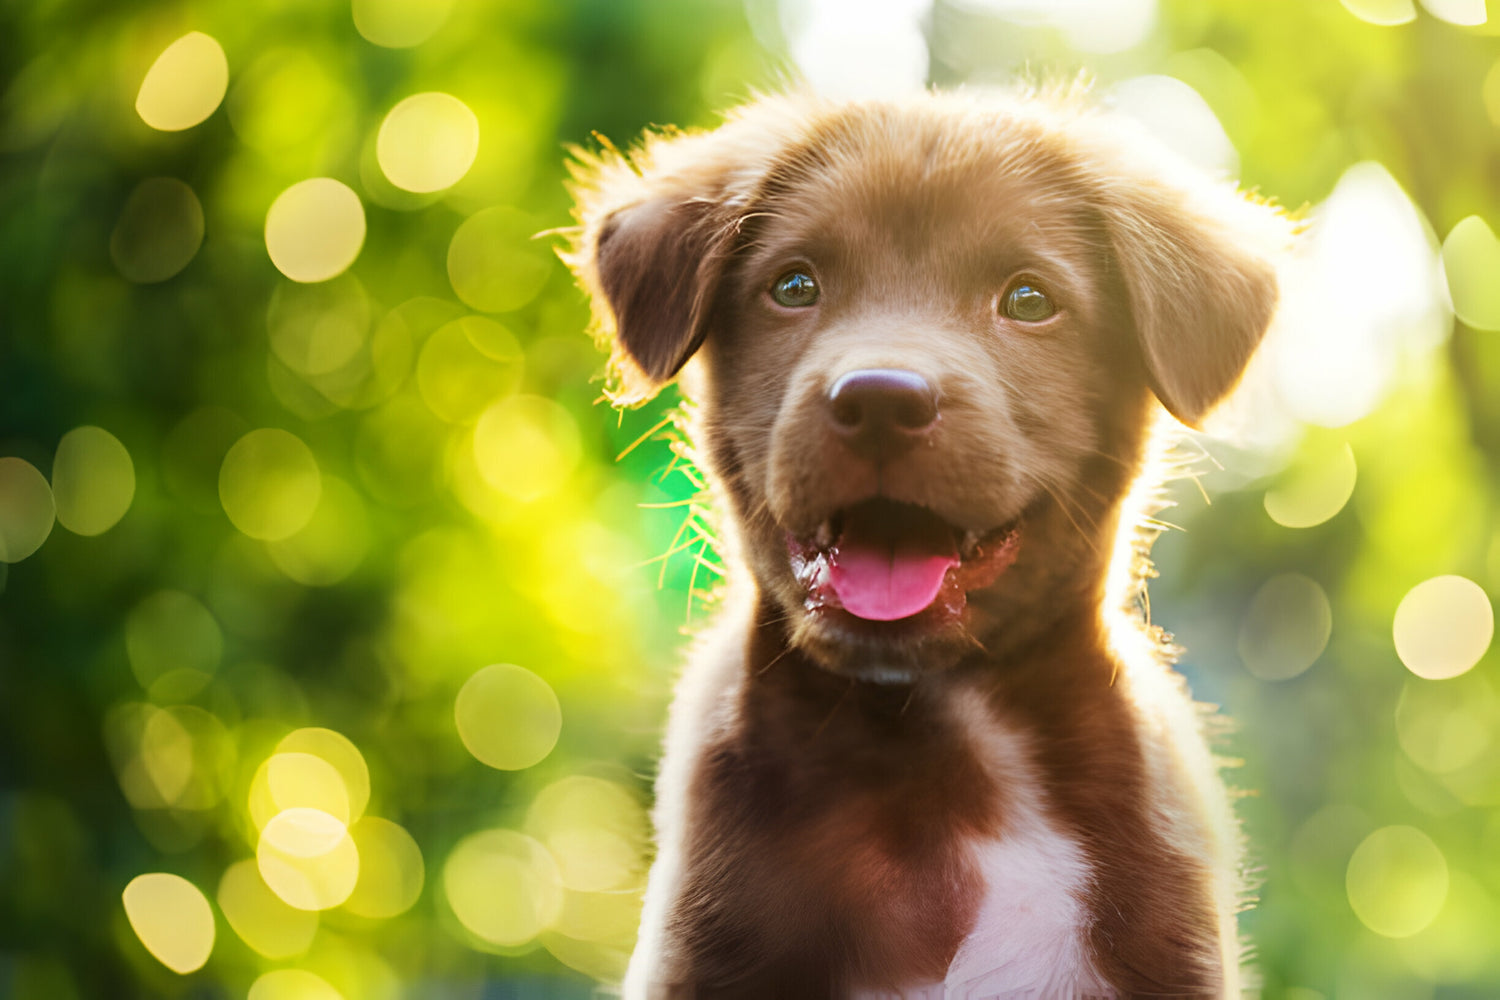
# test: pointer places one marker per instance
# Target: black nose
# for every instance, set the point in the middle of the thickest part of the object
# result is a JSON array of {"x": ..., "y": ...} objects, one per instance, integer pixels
[{"x": 881, "y": 412}]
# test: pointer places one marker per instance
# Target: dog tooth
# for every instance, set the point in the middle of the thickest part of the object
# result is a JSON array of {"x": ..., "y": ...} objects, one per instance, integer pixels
[{"x": 825, "y": 534}]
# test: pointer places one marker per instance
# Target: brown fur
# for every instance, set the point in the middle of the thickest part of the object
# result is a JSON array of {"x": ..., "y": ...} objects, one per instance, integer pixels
[{"x": 818, "y": 800}]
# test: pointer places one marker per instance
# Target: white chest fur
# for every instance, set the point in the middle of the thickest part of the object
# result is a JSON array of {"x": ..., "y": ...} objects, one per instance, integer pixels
[{"x": 1029, "y": 939}]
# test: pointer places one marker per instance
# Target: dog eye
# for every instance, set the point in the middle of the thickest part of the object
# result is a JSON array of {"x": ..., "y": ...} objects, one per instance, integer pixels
[
  {"x": 1028, "y": 304},
  {"x": 795, "y": 289}
]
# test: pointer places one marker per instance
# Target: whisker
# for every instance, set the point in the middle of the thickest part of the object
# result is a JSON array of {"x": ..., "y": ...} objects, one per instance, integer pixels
[{"x": 834, "y": 710}]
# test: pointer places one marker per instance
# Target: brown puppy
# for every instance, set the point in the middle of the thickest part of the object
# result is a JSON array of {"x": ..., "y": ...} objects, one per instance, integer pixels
[{"x": 925, "y": 751}]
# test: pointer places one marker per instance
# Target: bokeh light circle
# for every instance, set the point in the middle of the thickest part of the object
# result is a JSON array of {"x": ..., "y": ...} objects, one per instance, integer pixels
[
  {"x": 27, "y": 509},
  {"x": 185, "y": 83},
  {"x": 466, "y": 365},
  {"x": 427, "y": 142},
  {"x": 339, "y": 751},
  {"x": 1397, "y": 881},
  {"x": 297, "y": 780},
  {"x": 260, "y": 917},
  {"x": 391, "y": 872},
  {"x": 169, "y": 634},
  {"x": 508, "y": 717},
  {"x": 332, "y": 544},
  {"x": 294, "y": 106},
  {"x": 158, "y": 232},
  {"x": 1386, "y": 13},
  {"x": 526, "y": 447},
  {"x": 1445, "y": 727},
  {"x": 399, "y": 24},
  {"x": 307, "y": 858},
  {"x": 1471, "y": 265},
  {"x": 494, "y": 264},
  {"x": 1443, "y": 626},
  {"x": 269, "y": 484},
  {"x": 313, "y": 768},
  {"x": 318, "y": 328},
  {"x": 1286, "y": 627},
  {"x": 315, "y": 229},
  {"x": 172, "y": 918},
  {"x": 503, "y": 886},
  {"x": 93, "y": 480},
  {"x": 595, "y": 830},
  {"x": 1313, "y": 491},
  {"x": 292, "y": 984}
]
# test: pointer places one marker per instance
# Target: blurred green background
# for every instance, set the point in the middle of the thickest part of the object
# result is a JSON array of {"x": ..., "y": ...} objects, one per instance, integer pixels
[{"x": 335, "y": 638}]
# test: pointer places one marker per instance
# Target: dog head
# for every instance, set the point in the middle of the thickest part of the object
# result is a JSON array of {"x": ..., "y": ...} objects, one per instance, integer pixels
[{"x": 927, "y": 336}]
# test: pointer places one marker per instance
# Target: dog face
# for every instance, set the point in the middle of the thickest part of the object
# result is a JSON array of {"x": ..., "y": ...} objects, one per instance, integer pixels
[{"x": 927, "y": 335}]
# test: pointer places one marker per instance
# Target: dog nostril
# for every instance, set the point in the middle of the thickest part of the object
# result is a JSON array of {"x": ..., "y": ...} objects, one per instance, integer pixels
[{"x": 882, "y": 402}]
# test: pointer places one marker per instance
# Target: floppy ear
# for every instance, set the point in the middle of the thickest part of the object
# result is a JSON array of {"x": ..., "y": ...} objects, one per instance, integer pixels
[
  {"x": 658, "y": 265},
  {"x": 654, "y": 232},
  {"x": 1198, "y": 262}
]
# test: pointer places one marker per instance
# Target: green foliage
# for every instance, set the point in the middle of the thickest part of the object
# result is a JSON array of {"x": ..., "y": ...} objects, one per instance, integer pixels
[{"x": 344, "y": 499}]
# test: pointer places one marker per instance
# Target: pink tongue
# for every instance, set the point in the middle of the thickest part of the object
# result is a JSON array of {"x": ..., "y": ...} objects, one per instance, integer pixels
[{"x": 882, "y": 578}]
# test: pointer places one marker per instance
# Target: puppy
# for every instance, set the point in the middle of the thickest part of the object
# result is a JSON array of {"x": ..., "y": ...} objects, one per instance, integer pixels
[{"x": 926, "y": 750}]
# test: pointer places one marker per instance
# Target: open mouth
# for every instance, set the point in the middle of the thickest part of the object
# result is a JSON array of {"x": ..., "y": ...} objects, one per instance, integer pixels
[{"x": 883, "y": 560}]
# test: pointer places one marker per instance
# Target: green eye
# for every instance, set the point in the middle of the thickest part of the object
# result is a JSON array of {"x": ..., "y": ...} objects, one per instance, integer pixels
[
  {"x": 795, "y": 289},
  {"x": 1028, "y": 304}
]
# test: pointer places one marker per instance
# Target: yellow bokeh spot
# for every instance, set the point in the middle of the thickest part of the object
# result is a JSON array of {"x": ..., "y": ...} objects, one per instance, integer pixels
[
  {"x": 391, "y": 872},
  {"x": 594, "y": 829},
  {"x": 338, "y": 750},
  {"x": 1286, "y": 627},
  {"x": 168, "y": 758},
  {"x": 93, "y": 480},
  {"x": 1315, "y": 488},
  {"x": 376, "y": 370},
  {"x": 494, "y": 264},
  {"x": 1471, "y": 263},
  {"x": 170, "y": 637},
  {"x": 290, "y": 105},
  {"x": 503, "y": 886},
  {"x": 315, "y": 229},
  {"x": 332, "y": 544},
  {"x": 1490, "y": 91},
  {"x": 1443, "y": 727},
  {"x": 1459, "y": 944},
  {"x": 318, "y": 328},
  {"x": 269, "y": 484},
  {"x": 466, "y": 365},
  {"x": 185, "y": 84},
  {"x": 602, "y": 961},
  {"x": 427, "y": 142},
  {"x": 1443, "y": 626},
  {"x": 508, "y": 717},
  {"x": 399, "y": 24},
  {"x": 292, "y": 984},
  {"x": 307, "y": 858},
  {"x": 172, "y": 918},
  {"x": 526, "y": 447},
  {"x": 1397, "y": 881},
  {"x": 1467, "y": 13},
  {"x": 159, "y": 231},
  {"x": 396, "y": 451},
  {"x": 261, "y": 919},
  {"x": 1382, "y": 12},
  {"x": 296, "y": 780},
  {"x": 27, "y": 509}
]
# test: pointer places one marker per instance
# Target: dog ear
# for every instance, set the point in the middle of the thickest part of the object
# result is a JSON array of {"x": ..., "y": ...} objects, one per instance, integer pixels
[
  {"x": 655, "y": 231},
  {"x": 658, "y": 265},
  {"x": 1197, "y": 260}
]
